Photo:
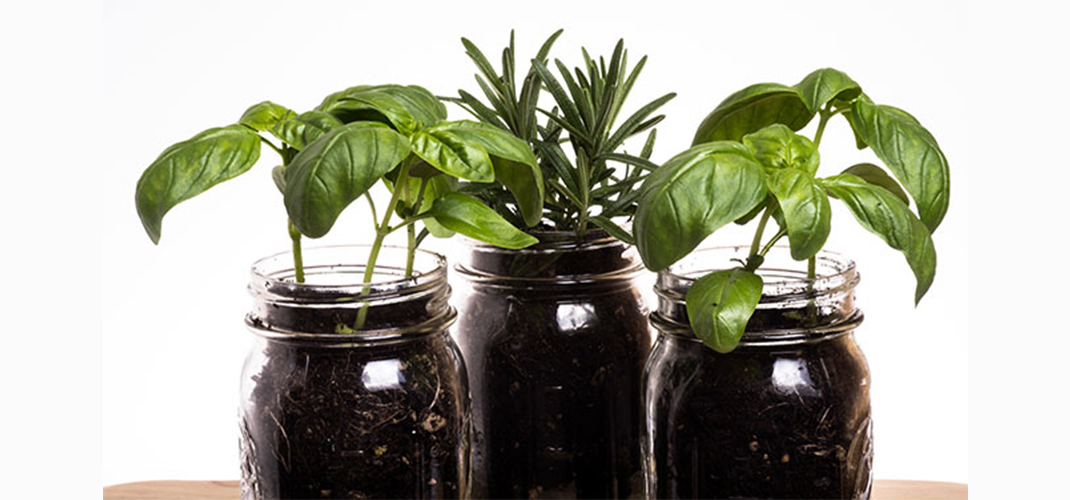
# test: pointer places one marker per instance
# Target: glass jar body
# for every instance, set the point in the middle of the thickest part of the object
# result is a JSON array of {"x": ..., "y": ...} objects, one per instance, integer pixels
[
  {"x": 784, "y": 415},
  {"x": 555, "y": 339},
  {"x": 380, "y": 412}
]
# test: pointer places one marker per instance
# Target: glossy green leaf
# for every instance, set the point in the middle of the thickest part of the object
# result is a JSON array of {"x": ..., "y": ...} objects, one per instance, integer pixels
[
  {"x": 264, "y": 116},
  {"x": 470, "y": 217},
  {"x": 301, "y": 130},
  {"x": 806, "y": 210},
  {"x": 512, "y": 159},
  {"x": 910, "y": 152},
  {"x": 613, "y": 229},
  {"x": 887, "y": 216},
  {"x": 825, "y": 85},
  {"x": 720, "y": 304},
  {"x": 188, "y": 168},
  {"x": 860, "y": 143},
  {"x": 753, "y": 109},
  {"x": 455, "y": 156},
  {"x": 876, "y": 175},
  {"x": 693, "y": 195},
  {"x": 336, "y": 169},
  {"x": 777, "y": 146},
  {"x": 406, "y": 108},
  {"x": 278, "y": 176}
]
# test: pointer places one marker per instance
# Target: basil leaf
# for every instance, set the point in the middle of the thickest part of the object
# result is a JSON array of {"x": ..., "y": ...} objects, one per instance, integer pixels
[
  {"x": 470, "y": 217},
  {"x": 188, "y": 168},
  {"x": 263, "y": 116},
  {"x": 806, "y": 210},
  {"x": 910, "y": 152},
  {"x": 454, "y": 156},
  {"x": 752, "y": 109},
  {"x": 513, "y": 162},
  {"x": 825, "y": 85},
  {"x": 720, "y": 304},
  {"x": 876, "y": 175},
  {"x": 369, "y": 103},
  {"x": 278, "y": 176},
  {"x": 887, "y": 216},
  {"x": 860, "y": 143},
  {"x": 693, "y": 195},
  {"x": 301, "y": 130},
  {"x": 336, "y": 169},
  {"x": 777, "y": 146}
]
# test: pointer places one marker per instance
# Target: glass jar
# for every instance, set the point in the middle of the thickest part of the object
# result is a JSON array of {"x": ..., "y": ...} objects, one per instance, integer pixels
[
  {"x": 329, "y": 411},
  {"x": 784, "y": 415},
  {"x": 555, "y": 337}
]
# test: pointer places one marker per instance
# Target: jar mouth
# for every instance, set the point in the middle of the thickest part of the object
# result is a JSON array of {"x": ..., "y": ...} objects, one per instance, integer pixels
[
  {"x": 333, "y": 294},
  {"x": 337, "y": 271},
  {"x": 792, "y": 307},
  {"x": 783, "y": 279},
  {"x": 560, "y": 258}
]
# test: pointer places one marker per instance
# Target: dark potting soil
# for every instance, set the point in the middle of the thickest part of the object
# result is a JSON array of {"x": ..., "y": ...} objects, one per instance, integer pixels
[
  {"x": 791, "y": 421},
  {"x": 555, "y": 372},
  {"x": 382, "y": 420}
]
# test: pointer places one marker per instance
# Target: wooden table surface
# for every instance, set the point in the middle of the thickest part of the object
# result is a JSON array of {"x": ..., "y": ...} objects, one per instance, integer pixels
[{"x": 213, "y": 490}]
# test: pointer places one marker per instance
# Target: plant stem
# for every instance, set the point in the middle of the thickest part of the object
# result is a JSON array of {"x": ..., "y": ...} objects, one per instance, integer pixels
[
  {"x": 381, "y": 231},
  {"x": 299, "y": 264},
  {"x": 825, "y": 115},
  {"x": 411, "y": 257},
  {"x": 758, "y": 234},
  {"x": 769, "y": 246}
]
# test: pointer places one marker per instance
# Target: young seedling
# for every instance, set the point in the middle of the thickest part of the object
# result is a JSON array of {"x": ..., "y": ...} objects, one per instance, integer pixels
[
  {"x": 334, "y": 154},
  {"x": 587, "y": 111},
  {"x": 747, "y": 161}
]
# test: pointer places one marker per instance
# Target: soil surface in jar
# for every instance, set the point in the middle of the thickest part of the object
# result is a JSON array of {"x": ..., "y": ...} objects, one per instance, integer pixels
[
  {"x": 375, "y": 421},
  {"x": 555, "y": 373},
  {"x": 763, "y": 422}
]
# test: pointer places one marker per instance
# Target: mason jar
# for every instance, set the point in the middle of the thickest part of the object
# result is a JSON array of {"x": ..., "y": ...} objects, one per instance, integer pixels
[
  {"x": 784, "y": 415},
  {"x": 333, "y": 409},
  {"x": 555, "y": 337}
]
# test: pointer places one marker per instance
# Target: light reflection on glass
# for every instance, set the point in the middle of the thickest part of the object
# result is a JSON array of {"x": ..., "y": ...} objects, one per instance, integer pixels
[
  {"x": 383, "y": 374},
  {"x": 791, "y": 376},
  {"x": 574, "y": 316}
]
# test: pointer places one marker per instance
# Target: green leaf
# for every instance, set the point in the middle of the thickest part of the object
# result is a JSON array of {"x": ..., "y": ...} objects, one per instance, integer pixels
[
  {"x": 693, "y": 195},
  {"x": 910, "y": 152},
  {"x": 806, "y": 210},
  {"x": 455, "y": 156},
  {"x": 753, "y": 109},
  {"x": 336, "y": 169},
  {"x": 859, "y": 142},
  {"x": 720, "y": 304},
  {"x": 777, "y": 146},
  {"x": 887, "y": 216},
  {"x": 190, "y": 167},
  {"x": 876, "y": 175},
  {"x": 406, "y": 108},
  {"x": 470, "y": 217},
  {"x": 513, "y": 162},
  {"x": 278, "y": 176},
  {"x": 613, "y": 229},
  {"x": 301, "y": 130},
  {"x": 263, "y": 116},
  {"x": 825, "y": 85}
]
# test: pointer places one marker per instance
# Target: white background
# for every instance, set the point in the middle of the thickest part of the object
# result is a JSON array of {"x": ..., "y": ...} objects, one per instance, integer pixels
[{"x": 985, "y": 81}]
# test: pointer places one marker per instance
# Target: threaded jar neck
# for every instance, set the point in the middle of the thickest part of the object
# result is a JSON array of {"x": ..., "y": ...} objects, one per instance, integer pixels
[
  {"x": 792, "y": 308},
  {"x": 327, "y": 306},
  {"x": 560, "y": 259}
]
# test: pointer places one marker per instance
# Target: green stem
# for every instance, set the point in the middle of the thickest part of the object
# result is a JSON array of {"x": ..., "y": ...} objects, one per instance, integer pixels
[
  {"x": 381, "y": 231},
  {"x": 299, "y": 264},
  {"x": 769, "y": 246},
  {"x": 758, "y": 234},
  {"x": 411, "y": 257},
  {"x": 825, "y": 115},
  {"x": 273, "y": 146}
]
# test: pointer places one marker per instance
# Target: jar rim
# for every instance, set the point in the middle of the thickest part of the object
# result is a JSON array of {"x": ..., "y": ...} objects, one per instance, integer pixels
[
  {"x": 263, "y": 277},
  {"x": 845, "y": 273}
]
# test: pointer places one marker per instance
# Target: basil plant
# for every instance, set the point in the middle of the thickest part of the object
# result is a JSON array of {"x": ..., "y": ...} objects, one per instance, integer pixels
[
  {"x": 390, "y": 134},
  {"x": 747, "y": 162}
]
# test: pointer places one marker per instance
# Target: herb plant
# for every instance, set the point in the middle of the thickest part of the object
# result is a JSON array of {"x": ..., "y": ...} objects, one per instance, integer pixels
[
  {"x": 397, "y": 135},
  {"x": 747, "y": 161},
  {"x": 586, "y": 114}
]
